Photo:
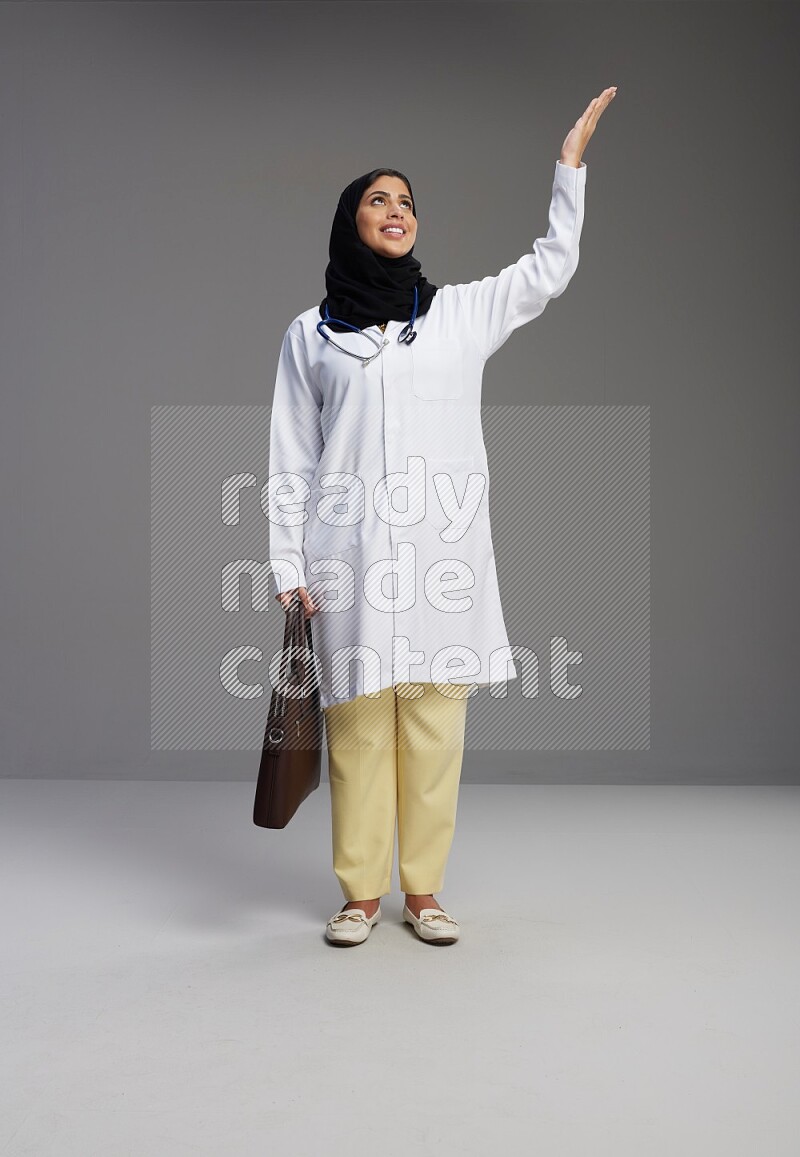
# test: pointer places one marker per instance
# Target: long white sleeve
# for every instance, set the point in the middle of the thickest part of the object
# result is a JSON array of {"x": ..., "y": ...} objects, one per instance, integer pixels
[
  {"x": 496, "y": 306},
  {"x": 295, "y": 448}
]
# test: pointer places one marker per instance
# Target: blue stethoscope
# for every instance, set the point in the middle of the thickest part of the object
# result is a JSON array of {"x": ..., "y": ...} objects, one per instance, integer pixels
[{"x": 407, "y": 333}]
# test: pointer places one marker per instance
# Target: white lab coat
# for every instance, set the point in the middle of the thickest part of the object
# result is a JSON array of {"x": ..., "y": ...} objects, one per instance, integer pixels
[{"x": 354, "y": 452}]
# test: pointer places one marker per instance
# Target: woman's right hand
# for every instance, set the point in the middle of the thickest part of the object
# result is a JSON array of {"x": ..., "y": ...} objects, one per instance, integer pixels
[{"x": 285, "y": 599}]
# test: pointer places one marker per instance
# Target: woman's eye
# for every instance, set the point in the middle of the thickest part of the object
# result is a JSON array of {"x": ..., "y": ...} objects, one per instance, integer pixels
[{"x": 405, "y": 202}]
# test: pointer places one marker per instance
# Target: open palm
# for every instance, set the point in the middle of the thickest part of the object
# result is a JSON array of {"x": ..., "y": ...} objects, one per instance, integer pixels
[{"x": 578, "y": 136}]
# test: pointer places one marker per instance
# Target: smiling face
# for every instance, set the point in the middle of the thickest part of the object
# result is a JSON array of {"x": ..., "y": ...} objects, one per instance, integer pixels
[{"x": 386, "y": 205}]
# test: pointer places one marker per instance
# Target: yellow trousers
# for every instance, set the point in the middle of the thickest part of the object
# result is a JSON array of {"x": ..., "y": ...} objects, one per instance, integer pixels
[{"x": 395, "y": 757}]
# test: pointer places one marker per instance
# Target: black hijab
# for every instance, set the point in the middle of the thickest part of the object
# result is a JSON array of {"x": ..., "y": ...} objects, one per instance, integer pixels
[{"x": 364, "y": 287}]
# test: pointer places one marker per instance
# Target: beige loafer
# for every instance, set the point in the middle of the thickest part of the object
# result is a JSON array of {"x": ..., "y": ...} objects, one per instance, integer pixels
[
  {"x": 433, "y": 925},
  {"x": 351, "y": 926}
]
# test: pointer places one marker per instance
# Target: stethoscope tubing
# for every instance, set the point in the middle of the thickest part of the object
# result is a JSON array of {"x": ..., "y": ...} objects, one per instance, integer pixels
[{"x": 407, "y": 333}]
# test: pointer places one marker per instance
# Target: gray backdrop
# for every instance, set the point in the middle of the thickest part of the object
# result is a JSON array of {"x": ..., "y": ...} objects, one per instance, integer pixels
[{"x": 169, "y": 176}]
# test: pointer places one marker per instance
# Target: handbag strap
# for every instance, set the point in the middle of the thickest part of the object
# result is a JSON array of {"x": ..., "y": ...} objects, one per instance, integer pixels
[{"x": 295, "y": 638}]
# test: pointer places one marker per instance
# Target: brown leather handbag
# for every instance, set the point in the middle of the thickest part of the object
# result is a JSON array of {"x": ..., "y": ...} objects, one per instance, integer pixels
[{"x": 291, "y": 756}]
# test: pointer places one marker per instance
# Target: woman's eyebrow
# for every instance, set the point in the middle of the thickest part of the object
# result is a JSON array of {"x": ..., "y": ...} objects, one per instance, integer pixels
[{"x": 383, "y": 193}]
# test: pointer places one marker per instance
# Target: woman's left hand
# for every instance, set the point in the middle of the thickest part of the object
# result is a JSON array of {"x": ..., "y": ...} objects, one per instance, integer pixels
[{"x": 578, "y": 136}]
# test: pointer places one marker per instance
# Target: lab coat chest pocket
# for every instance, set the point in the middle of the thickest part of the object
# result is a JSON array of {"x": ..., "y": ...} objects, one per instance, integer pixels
[{"x": 438, "y": 370}]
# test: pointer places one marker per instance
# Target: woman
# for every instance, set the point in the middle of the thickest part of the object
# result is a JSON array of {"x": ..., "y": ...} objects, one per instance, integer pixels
[{"x": 377, "y": 398}]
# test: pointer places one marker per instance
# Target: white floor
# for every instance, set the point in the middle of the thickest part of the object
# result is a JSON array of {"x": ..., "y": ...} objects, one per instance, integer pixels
[{"x": 626, "y": 982}]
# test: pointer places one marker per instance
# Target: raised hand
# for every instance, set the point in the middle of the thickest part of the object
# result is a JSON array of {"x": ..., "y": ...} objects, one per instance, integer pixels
[{"x": 578, "y": 136}]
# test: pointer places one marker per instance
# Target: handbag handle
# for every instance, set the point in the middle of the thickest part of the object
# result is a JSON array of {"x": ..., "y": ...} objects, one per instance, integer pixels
[{"x": 295, "y": 638}]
